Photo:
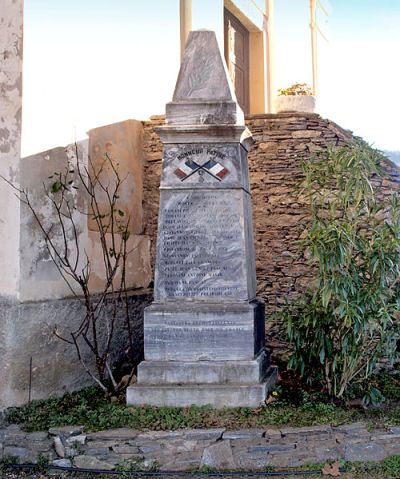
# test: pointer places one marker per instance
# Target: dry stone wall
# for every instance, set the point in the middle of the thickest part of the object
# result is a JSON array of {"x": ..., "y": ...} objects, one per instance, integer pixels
[
  {"x": 282, "y": 143},
  {"x": 190, "y": 449},
  {"x": 153, "y": 152}
]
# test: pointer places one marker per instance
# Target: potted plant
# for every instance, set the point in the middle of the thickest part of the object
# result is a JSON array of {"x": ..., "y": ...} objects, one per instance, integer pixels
[{"x": 297, "y": 97}]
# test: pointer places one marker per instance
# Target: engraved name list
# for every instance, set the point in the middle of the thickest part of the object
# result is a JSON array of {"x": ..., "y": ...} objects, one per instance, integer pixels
[{"x": 199, "y": 241}]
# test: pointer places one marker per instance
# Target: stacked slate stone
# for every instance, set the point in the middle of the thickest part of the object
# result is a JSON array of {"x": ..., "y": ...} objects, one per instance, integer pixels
[
  {"x": 189, "y": 449},
  {"x": 282, "y": 143},
  {"x": 204, "y": 333}
]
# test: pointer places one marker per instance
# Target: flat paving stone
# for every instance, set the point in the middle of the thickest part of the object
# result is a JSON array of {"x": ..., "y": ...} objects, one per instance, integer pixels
[
  {"x": 243, "y": 434},
  {"x": 118, "y": 434},
  {"x": 66, "y": 431},
  {"x": 218, "y": 456},
  {"x": 90, "y": 462},
  {"x": 364, "y": 452}
]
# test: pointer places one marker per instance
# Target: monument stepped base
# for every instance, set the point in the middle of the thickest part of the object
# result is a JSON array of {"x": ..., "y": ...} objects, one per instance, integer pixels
[
  {"x": 152, "y": 373},
  {"x": 215, "y": 395}
]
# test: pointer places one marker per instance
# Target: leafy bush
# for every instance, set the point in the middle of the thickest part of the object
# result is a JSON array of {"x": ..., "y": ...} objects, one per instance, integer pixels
[{"x": 347, "y": 321}]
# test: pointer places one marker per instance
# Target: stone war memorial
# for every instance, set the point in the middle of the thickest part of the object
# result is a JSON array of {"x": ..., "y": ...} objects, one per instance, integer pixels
[{"x": 204, "y": 333}]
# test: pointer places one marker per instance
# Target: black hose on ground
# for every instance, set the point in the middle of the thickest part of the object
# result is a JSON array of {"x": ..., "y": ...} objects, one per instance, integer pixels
[{"x": 145, "y": 473}]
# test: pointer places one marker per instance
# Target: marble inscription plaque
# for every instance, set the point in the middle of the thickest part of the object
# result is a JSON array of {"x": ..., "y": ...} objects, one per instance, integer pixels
[{"x": 200, "y": 245}]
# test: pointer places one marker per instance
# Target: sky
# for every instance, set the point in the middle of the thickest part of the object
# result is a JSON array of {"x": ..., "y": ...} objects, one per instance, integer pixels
[{"x": 89, "y": 63}]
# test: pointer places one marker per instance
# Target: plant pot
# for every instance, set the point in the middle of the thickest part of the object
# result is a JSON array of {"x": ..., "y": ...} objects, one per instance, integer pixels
[{"x": 298, "y": 103}]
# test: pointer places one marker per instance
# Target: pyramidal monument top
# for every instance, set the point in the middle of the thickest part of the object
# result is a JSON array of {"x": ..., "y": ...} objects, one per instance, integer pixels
[{"x": 204, "y": 93}]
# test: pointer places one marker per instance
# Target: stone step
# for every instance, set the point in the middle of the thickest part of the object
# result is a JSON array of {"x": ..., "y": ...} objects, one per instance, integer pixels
[
  {"x": 215, "y": 395},
  {"x": 203, "y": 372}
]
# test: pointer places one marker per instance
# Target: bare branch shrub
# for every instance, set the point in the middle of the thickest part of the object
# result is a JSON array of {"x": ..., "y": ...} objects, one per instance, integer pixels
[{"x": 102, "y": 309}]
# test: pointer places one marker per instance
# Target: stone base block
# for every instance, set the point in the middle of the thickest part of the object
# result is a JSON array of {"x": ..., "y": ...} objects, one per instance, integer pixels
[
  {"x": 203, "y": 331},
  {"x": 203, "y": 372},
  {"x": 216, "y": 395}
]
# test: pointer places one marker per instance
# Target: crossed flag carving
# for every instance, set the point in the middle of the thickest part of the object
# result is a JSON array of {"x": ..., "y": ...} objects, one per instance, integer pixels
[{"x": 212, "y": 167}]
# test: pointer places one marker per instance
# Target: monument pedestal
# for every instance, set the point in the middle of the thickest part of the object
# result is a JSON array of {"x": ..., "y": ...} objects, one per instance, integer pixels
[
  {"x": 203, "y": 353},
  {"x": 204, "y": 334}
]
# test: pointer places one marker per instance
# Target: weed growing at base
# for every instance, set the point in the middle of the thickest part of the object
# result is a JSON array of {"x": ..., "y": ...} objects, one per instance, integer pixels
[{"x": 89, "y": 408}]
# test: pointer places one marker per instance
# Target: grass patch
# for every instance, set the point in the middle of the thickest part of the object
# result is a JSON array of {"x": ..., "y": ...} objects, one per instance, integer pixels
[
  {"x": 295, "y": 406},
  {"x": 388, "y": 468},
  {"x": 90, "y": 409}
]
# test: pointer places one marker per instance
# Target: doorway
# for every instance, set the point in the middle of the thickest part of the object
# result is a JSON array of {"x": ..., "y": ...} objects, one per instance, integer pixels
[{"x": 236, "y": 46}]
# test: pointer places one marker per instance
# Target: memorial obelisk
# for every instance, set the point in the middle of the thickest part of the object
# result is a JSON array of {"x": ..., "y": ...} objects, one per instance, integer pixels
[{"x": 204, "y": 332}]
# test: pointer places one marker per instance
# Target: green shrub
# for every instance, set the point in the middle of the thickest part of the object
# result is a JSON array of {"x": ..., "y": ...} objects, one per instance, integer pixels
[{"x": 346, "y": 322}]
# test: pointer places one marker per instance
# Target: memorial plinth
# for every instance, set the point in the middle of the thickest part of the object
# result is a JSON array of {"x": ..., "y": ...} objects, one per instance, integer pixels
[{"x": 204, "y": 332}]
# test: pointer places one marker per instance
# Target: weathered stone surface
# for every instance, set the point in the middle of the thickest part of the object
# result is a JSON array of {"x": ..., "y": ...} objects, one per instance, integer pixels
[
  {"x": 183, "y": 449},
  {"x": 11, "y": 41},
  {"x": 195, "y": 331},
  {"x": 122, "y": 142},
  {"x": 21, "y": 453},
  {"x": 145, "y": 437},
  {"x": 76, "y": 440},
  {"x": 385, "y": 438},
  {"x": 126, "y": 449},
  {"x": 203, "y": 251},
  {"x": 105, "y": 443},
  {"x": 203, "y": 434},
  {"x": 110, "y": 434},
  {"x": 203, "y": 93},
  {"x": 324, "y": 453},
  {"x": 71, "y": 451},
  {"x": 289, "y": 459},
  {"x": 56, "y": 367},
  {"x": 90, "y": 462},
  {"x": 40, "y": 279},
  {"x": 97, "y": 451},
  {"x": 37, "y": 436},
  {"x": 355, "y": 428},
  {"x": 364, "y": 452},
  {"x": 13, "y": 436},
  {"x": 66, "y": 431},
  {"x": 197, "y": 372},
  {"x": 251, "y": 461},
  {"x": 184, "y": 462},
  {"x": 306, "y": 134},
  {"x": 392, "y": 448},
  {"x": 59, "y": 447},
  {"x": 218, "y": 396},
  {"x": 309, "y": 431},
  {"x": 138, "y": 269},
  {"x": 272, "y": 448},
  {"x": 185, "y": 445},
  {"x": 150, "y": 448},
  {"x": 244, "y": 434},
  {"x": 273, "y": 434},
  {"x": 62, "y": 462},
  {"x": 218, "y": 456}
]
